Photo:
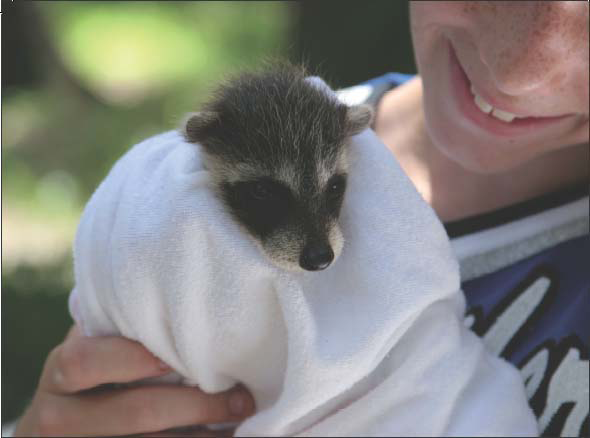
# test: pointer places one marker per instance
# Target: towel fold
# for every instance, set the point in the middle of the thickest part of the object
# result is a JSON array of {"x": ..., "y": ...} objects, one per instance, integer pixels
[{"x": 374, "y": 345}]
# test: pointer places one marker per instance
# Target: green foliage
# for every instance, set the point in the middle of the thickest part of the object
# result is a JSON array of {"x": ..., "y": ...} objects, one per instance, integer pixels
[
  {"x": 127, "y": 50},
  {"x": 145, "y": 63},
  {"x": 34, "y": 320}
]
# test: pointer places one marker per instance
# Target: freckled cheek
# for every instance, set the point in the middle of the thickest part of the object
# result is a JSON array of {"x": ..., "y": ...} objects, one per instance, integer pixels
[
  {"x": 422, "y": 31},
  {"x": 573, "y": 92},
  {"x": 429, "y": 43},
  {"x": 426, "y": 14},
  {"x": 583, "y": 95},
  {"x": 424, "y": 41},
  {"x": 431, "y": 21}
]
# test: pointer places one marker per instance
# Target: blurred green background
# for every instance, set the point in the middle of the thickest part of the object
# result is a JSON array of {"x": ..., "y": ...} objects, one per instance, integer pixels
[{"x": 83, "y": 81}]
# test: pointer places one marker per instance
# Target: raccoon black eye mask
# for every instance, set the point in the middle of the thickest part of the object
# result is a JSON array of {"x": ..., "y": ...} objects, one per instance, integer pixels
[{"x": 276, "y": 145}]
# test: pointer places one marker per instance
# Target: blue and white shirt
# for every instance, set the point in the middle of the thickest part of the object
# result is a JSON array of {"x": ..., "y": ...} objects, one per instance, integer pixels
[{"x": 526, "y": 276}]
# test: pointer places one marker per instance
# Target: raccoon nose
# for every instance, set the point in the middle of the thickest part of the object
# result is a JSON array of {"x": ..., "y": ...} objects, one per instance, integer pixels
[{"x": 316, "y": 257}]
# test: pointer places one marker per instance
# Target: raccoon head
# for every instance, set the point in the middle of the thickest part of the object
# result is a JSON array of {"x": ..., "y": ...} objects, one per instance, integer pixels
[{"x": 276, "y": 148}]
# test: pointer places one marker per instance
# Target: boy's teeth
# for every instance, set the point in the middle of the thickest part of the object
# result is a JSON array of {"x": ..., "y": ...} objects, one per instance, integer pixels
[
  {"x": 486, "y": 108},
  {"x": 503, "y": 115},
  {"x": 483, "y": 105}
]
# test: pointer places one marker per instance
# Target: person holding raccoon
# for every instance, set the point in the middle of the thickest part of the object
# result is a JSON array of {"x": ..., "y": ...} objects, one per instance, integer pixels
[{"x": 494, "y": 136}]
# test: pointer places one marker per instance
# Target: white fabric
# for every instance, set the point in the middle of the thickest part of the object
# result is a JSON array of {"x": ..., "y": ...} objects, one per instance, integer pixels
[{"x": 374, "y": 345}]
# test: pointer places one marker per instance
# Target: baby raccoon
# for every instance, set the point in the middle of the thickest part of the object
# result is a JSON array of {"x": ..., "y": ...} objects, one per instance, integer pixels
[{"x": 275, "y": 144}]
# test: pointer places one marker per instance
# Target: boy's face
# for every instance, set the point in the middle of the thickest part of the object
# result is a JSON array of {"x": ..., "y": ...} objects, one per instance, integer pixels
[{"x": 525, "y": 58}]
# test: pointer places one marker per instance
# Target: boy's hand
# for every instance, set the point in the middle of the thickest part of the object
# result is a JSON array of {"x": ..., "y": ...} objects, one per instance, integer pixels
[{"x": 68, "y": 402}]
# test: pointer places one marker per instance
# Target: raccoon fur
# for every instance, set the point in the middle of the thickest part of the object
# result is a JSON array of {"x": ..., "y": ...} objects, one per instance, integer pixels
[{"x": 276, "y": 147}]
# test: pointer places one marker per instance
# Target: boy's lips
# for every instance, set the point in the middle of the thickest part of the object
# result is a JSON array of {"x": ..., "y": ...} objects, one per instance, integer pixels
[{"x": 461, "y": 89}]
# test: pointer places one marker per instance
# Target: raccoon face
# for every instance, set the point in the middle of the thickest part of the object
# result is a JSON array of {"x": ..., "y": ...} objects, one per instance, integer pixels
[
  {"x": 296, "y": 227},
  {"x": 276, "y": 149}
]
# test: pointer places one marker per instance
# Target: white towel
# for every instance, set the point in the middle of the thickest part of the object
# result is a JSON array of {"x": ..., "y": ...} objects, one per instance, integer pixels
[{"x": 374, "y": 345}]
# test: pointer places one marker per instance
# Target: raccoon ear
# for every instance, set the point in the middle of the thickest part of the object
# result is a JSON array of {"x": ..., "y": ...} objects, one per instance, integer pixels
[
  {"x": 358, "y": 118},
  {"x": 197, "y": 126}
]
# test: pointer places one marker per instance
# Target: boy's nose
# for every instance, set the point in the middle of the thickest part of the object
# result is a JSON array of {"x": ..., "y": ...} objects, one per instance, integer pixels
[{"x": 316, "y": 257}]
